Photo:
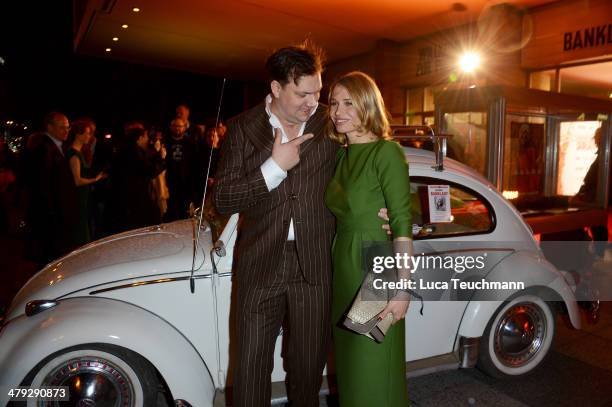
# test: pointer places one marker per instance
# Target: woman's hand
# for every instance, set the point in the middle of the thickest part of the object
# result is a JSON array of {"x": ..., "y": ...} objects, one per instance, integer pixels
[
  {"x": 101, "y": 175},
  {"x": 383, "y": 213},
  {"x": 396, "y": 307}
]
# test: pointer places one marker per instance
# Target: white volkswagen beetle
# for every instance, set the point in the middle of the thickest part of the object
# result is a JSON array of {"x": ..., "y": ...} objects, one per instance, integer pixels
[{"x": 116, "y": 320}]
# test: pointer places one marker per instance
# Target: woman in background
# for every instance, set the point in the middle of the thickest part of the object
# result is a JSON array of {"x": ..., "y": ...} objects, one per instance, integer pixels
[
  {"x": 135, "y": 166},
  {"x": 80, "y": 134},
  {"x": 371, "y": 173}
]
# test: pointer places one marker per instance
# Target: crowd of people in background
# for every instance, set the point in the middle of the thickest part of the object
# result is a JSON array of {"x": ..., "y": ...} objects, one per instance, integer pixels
[{"x": 75, "y": 188}]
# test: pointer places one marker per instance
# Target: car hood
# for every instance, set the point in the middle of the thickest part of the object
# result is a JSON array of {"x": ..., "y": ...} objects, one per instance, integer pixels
[{"x": 137, "y": 254}]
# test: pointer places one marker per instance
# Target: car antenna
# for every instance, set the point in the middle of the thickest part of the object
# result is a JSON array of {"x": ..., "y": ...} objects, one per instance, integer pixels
[{"x": 196, "y": 238}]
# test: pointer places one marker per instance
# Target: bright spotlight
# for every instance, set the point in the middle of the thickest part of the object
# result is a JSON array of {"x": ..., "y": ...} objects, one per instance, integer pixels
[{"x": 469, "y": 62}]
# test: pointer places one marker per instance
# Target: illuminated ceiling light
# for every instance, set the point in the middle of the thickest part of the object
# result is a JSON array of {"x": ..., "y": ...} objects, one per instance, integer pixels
[
  {"x": 124, "y": 26},
  {"x": 115, "y": 39},
  {"x": 135, "y": 9},
  {"x": 610, "y": 95},
  {"x": 472, "y": 86},
  {"x": 107, "y": 50},
  {"x": 469, "y": 62}
]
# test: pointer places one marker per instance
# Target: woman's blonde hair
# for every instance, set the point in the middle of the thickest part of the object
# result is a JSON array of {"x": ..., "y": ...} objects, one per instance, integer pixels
[{"x": 367, "y": 100}]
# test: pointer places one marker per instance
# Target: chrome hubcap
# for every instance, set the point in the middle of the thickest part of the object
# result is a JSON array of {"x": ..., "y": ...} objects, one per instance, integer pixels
[
  {"x": 519, "y": 334},
  {"x": 92, "y": 382}
]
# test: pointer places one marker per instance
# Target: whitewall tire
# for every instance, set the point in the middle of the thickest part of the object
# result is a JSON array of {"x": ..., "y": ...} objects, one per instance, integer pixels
[
  {"x": 518, "y": 337},
  {"x": 100, "y": 375}
]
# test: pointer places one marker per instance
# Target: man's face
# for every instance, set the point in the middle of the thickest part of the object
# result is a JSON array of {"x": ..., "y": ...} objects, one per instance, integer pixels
[
  {"x": 295, "y": 103},
  {"x": 58, "y": 128},
  {"x": 177, "y": 127},
  {"x": 143, "y": 141},
  {"x": 182, "y": 112}
]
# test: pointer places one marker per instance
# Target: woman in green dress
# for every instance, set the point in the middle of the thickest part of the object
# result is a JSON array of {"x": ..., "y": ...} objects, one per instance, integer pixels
[
  {"x": 371, "y": 173},
  {"x": 80, "y": 134}
]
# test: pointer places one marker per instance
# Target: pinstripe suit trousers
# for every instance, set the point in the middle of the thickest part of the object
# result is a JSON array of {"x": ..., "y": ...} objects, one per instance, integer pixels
[{"x": 303, "y": 310}]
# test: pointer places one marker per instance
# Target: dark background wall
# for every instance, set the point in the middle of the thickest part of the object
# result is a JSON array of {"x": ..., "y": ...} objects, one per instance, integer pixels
[{"x": 41, "y": 73}]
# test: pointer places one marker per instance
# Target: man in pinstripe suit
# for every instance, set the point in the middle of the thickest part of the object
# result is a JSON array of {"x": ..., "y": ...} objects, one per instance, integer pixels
[{"x": 275, "y": 165}]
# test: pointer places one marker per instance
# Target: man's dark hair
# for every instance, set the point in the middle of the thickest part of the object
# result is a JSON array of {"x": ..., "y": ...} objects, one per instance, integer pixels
[
  {"x": 291, "y": 63},
  {"x": 134, "y": 134},
  {"x": 133, "y": 124},
  {"x": 52, "y": 117}
]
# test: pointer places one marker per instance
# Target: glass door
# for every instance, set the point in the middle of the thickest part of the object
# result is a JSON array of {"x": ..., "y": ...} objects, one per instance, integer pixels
[{"x": 468, "y": 143}]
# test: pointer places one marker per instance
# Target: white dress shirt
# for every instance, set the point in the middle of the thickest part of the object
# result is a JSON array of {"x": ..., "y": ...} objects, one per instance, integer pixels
[
  {"x": 272, "y": 173},
  {"x": 57, "y": 142}
]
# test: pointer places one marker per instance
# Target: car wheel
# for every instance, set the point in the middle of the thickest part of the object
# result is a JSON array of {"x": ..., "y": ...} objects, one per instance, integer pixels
[
  {"x": 517, "y": 338},
  {"x": 98, "y": 374}
]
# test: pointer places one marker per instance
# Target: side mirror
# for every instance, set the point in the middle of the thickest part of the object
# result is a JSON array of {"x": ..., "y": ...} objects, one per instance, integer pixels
[
  {"x": 195, "y": 212},
  {"x": 219, "y": 248}
]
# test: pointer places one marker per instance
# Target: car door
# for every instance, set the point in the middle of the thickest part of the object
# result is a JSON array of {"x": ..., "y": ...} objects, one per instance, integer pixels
[{"x": 466, "y": 233}]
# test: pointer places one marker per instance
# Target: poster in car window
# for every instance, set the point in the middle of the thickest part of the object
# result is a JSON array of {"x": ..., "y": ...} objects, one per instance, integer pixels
[{"x": 439, "y": 203}]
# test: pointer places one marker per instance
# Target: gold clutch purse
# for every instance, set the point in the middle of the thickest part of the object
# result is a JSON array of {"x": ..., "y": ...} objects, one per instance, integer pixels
[{"x": 362, "y": 317}]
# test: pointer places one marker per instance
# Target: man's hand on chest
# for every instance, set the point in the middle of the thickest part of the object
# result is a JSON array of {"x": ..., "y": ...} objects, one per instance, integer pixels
[{"x": 287, "y": 155}]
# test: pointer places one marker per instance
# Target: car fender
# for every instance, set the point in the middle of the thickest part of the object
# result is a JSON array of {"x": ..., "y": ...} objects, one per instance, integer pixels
[
  {"x": 26, "y": 341},
  {"x": 532, "y": 269}
]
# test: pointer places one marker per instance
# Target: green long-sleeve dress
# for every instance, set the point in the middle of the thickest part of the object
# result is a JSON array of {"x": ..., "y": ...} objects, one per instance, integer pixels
[{"x": 368, "y": 177}]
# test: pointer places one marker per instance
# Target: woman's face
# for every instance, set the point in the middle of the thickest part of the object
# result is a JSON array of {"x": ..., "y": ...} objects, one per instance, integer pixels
[
  {"x": 85, "y": 136},
  {"x": 343, "y": 113}
]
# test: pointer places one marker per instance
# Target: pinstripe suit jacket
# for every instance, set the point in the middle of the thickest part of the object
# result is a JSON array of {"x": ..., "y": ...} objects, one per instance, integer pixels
[{"x": 265, "y": 215}]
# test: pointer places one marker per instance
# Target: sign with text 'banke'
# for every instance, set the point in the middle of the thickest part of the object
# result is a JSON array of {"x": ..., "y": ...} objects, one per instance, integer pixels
[
  {"x": 567, "y": 31},
  {"x": 589, "y": 37}
]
